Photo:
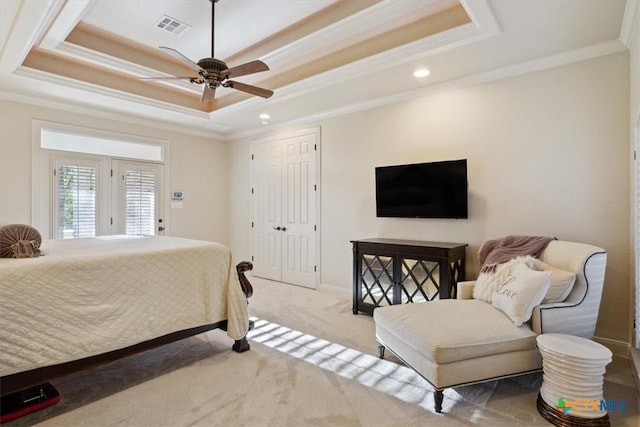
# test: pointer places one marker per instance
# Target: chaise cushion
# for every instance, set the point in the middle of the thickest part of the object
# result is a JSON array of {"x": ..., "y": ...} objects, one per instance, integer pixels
[{"x": 476, "y": 329}]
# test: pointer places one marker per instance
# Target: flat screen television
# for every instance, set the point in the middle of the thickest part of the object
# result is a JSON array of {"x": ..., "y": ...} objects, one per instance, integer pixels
[{"x": 422, "y": 190}]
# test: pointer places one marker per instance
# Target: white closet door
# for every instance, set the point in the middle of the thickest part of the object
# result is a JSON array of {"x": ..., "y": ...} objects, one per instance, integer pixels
[
  {"x": 267, "y": 211},
  {"x": 284, "y": 209},
  {"x": 298, "y": 208}
]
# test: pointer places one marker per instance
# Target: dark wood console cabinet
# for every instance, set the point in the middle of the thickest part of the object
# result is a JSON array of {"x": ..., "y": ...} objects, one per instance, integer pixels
[{"x": 391, "y": 271}]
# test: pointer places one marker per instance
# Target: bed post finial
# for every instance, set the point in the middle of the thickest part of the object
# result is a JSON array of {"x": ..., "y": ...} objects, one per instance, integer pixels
[
  {"x": 242, "y": 344},
  {"x": 244, "y": 282}
]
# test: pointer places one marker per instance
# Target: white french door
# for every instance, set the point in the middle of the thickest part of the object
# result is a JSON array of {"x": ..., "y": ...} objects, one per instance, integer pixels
[
  {"x": 76, "y": 189},
  {"x": 93, "y": 196},
  {"x": 136, "y": 188},
  {"x": 284, "y": 209}
]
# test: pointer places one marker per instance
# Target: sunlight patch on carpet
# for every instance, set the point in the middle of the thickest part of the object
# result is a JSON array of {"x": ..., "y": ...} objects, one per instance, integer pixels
[{"x": 381, "y": 375}]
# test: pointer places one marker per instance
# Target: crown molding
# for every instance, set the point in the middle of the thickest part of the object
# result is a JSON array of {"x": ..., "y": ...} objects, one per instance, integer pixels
[
  {"x": 547, "y": 62},
  {"x": 130, "y": 108},
  {"x": 70, "y": 14},
  {"x": 410, "y": 52},
  {"x": 120, "y": 65},
  {"x": 485, "y": 27},
  {"x": 33, "y": 18},
  {"x": 380, "y": 17},
  {"x": 630, "y": 22},
  {"x": 124, "y": 118}
]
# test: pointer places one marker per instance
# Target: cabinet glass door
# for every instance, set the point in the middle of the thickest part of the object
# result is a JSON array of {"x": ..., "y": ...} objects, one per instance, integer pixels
[
  {"x": 376, "y": 280},
  {"x": 420, "y": 280}
]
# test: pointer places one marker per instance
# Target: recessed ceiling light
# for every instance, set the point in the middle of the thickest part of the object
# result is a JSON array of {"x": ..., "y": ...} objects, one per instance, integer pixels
[
  {"x": 264, "y": 116},
  {"x": 422, "y": 72}
]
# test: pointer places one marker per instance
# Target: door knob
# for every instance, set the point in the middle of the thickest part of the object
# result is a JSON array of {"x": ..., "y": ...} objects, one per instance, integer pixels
[
  {"x": 284, "y": 228},
  {"x": 277, "y": 228},
  {"x": 161, "y": 228}
]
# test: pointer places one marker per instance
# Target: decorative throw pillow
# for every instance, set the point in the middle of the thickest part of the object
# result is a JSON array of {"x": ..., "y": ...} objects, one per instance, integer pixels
[
  {"x": 487, "y": 283},
  {"x": 521, "y": 292},
  {"x": 19, "y": 241},
  {"x": 562, "y": 282}
]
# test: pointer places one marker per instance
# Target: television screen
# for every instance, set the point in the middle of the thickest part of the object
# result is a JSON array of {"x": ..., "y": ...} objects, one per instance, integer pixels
[{"x": 422, "y": 190}]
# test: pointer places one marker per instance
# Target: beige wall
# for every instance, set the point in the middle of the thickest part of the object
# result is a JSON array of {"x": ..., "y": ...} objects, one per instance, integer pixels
[
  {"x": 547, "y": 154},
  {"x": 634, "y": 122},
  {"x": 197, "y": 166},
  {"x": 635, "y": 72}
]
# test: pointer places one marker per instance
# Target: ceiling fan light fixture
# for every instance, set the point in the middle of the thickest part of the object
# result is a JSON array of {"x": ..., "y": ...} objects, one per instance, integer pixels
[
  {"x": 264, "y": 116},
  {"x": 421, "y": 72},
  {"x": 212, "y": 72}
]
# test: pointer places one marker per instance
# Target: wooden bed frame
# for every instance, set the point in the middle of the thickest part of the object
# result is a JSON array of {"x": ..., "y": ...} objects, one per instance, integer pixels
[{"x": 22, "y": 380}]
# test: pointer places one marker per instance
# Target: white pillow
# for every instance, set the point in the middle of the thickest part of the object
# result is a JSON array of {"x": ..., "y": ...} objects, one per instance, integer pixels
[
  {"x": 487, "y": 283},
  {"x": 521, "y": 292},
  {"x": 562, "y": 282}
]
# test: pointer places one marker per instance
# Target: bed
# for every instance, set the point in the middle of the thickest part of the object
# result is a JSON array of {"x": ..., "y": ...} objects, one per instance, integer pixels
[{"x": 90, "y": 301}]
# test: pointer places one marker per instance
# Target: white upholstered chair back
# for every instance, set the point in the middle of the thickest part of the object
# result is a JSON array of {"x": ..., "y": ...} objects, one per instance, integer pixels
[{"x": 578, "y": 314}]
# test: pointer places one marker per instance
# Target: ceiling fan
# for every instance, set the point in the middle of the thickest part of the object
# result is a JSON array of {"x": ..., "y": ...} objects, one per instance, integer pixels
[{"x": 214, "y": 73}]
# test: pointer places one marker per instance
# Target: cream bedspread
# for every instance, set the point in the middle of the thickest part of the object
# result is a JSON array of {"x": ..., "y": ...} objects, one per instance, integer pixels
[{"x": 89, "y": 296}]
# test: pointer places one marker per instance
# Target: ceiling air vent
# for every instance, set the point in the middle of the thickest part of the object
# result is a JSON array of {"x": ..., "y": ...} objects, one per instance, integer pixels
[{"x": 172, "y": 25}]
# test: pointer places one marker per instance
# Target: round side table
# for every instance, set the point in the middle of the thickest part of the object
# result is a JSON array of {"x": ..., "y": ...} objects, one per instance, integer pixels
[{"x": 573, "y": 374}]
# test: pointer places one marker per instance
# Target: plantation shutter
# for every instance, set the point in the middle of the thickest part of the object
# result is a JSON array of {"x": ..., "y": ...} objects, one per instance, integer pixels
[
  {"x": 140, "y": 202},
  {"x": 76, "y": 200}
]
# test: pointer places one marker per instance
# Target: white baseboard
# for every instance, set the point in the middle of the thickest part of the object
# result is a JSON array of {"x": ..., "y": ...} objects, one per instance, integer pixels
[
  {"x": 618, "y": 348},
  {"x": 634, "y": 354}
]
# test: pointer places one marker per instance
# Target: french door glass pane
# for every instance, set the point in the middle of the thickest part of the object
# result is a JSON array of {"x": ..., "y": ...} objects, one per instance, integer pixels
[
  {"x": 140, "y": 202},
  {"x": 76, "y": 202}
]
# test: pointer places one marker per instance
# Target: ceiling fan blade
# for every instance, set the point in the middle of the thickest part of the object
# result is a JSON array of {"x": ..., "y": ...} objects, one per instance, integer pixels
[
  {"x": 248, "y": 68},
  {"x": 177, "y": 55},
  {"x": 253, "y": 90},
  {"x": 169, "y": 78},
  {"x": 208, "y": 94}
]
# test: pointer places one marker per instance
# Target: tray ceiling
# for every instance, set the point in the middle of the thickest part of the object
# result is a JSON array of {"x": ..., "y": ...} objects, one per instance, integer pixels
[{"x": 326, "y": 57}]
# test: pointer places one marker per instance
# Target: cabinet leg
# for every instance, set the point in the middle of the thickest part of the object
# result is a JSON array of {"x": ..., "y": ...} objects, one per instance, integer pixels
[
  {"x": 380, "y": 351},
  {"x": 437, "y": 400}
]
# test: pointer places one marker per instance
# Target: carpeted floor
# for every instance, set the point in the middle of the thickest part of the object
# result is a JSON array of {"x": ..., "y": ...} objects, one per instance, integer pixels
[{"x": 312, "y": 363}]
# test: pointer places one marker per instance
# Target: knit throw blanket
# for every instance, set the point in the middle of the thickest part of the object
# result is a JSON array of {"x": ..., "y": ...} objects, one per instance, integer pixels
[{"x": 494, "y": 252}]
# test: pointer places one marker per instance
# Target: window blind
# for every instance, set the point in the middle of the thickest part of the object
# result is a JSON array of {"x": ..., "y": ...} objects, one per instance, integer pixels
[
  {"x": 76, "y": 191},
  {"x": 140, "y": 202}
]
